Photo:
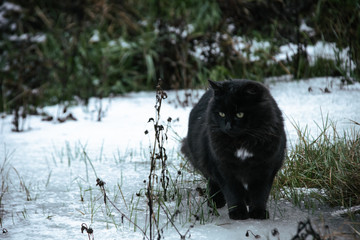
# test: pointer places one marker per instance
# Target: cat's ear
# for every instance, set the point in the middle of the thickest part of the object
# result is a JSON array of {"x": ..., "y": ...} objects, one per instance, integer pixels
[
  {"x": 253, "y": 89},
  {"x": 216, "y": 86}
]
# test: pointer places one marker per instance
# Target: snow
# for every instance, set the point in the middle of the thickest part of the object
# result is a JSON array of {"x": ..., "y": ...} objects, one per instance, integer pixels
[
  {"x": 95, "y": 37},
  {"x": 344, "y": 212},
  {"x": 321, "y": 49},
  {"x": 244, "y": 46},
  {"x": 48, "y": 160},
  {"x": 39, "y": 38},
  {"x": 120, "y": 42},
  {"x": 249, "y": 49},
  {"x": 305, "y": 28},
  {"x": 4, "y": 8}
]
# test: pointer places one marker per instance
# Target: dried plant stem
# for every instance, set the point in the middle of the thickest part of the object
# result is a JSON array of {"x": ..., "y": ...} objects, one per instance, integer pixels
[
  {"x": 101, "y": 184},
  {"x": 157, "y": 152}
]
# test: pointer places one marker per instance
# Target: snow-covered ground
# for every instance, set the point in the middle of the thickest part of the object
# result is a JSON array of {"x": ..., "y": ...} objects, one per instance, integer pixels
[{"x": 48, "y": 174}]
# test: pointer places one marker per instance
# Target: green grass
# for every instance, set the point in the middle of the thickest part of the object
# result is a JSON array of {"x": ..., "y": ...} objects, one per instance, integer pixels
[
  {"x": 329, "y": 163},
  {"x": 11, "y": 180},
  {"x": 4, "y": 174}
]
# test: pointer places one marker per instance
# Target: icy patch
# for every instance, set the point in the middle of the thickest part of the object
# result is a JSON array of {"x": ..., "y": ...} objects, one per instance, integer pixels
[{"x": 243, "y": 154}]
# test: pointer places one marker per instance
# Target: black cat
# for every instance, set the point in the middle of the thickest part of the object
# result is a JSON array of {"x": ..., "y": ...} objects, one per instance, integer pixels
[{"x": 236, "y": 139}]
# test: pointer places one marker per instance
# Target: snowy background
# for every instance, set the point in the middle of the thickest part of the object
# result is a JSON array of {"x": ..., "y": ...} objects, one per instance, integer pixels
[{"x": 48, "y": 175}]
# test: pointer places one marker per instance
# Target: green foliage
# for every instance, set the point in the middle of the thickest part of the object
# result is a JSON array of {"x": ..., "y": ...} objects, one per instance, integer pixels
[
  {"x": 97, "y": 48},
  {"x": 339, "y": 21}
]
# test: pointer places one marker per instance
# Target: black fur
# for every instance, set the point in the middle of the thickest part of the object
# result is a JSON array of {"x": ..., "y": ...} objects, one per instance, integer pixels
[{"x": 238, "y": 154}]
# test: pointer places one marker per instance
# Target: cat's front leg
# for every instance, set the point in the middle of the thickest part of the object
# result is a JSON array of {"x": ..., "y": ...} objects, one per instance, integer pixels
[
  {"x": 258, "y": 213},
  {"x": 238, "y": 212},
  {"x": 259, "y": 194},
  {"x": 236, "y": 203}
]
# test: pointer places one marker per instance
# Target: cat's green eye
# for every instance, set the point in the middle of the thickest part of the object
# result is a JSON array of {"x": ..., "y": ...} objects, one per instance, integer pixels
[
  {"x": 240, "y": 115},
  {"x": 222, "y": 114}
]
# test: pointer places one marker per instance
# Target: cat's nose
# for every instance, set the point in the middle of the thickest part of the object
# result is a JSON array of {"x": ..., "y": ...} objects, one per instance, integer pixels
[{"x": 228, "y": 126}]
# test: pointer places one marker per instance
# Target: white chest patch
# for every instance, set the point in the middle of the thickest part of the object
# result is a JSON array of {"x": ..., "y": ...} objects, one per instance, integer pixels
[
  {"x": 246, "y": 186},
  {"x": 243, "y": 154}
]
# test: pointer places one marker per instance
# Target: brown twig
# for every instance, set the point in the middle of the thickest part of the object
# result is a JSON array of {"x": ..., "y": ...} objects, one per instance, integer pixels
[{"x": 88, "y": 230}]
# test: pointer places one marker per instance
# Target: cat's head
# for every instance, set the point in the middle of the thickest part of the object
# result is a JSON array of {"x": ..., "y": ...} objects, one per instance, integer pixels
[{"x": 240, "y": 106}]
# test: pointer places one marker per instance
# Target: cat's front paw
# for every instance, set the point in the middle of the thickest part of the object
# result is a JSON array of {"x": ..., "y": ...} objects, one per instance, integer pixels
[
  {"x": 259, "y": 214},
  {"x": 238, "y": 213}
]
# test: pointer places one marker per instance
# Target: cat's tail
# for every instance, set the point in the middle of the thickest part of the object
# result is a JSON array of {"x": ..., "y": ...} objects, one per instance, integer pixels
[{"x": 186, "y": 151}]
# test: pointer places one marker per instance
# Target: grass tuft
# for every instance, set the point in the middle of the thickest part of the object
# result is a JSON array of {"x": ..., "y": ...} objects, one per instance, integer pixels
[{"x": 329, "y": 163}]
